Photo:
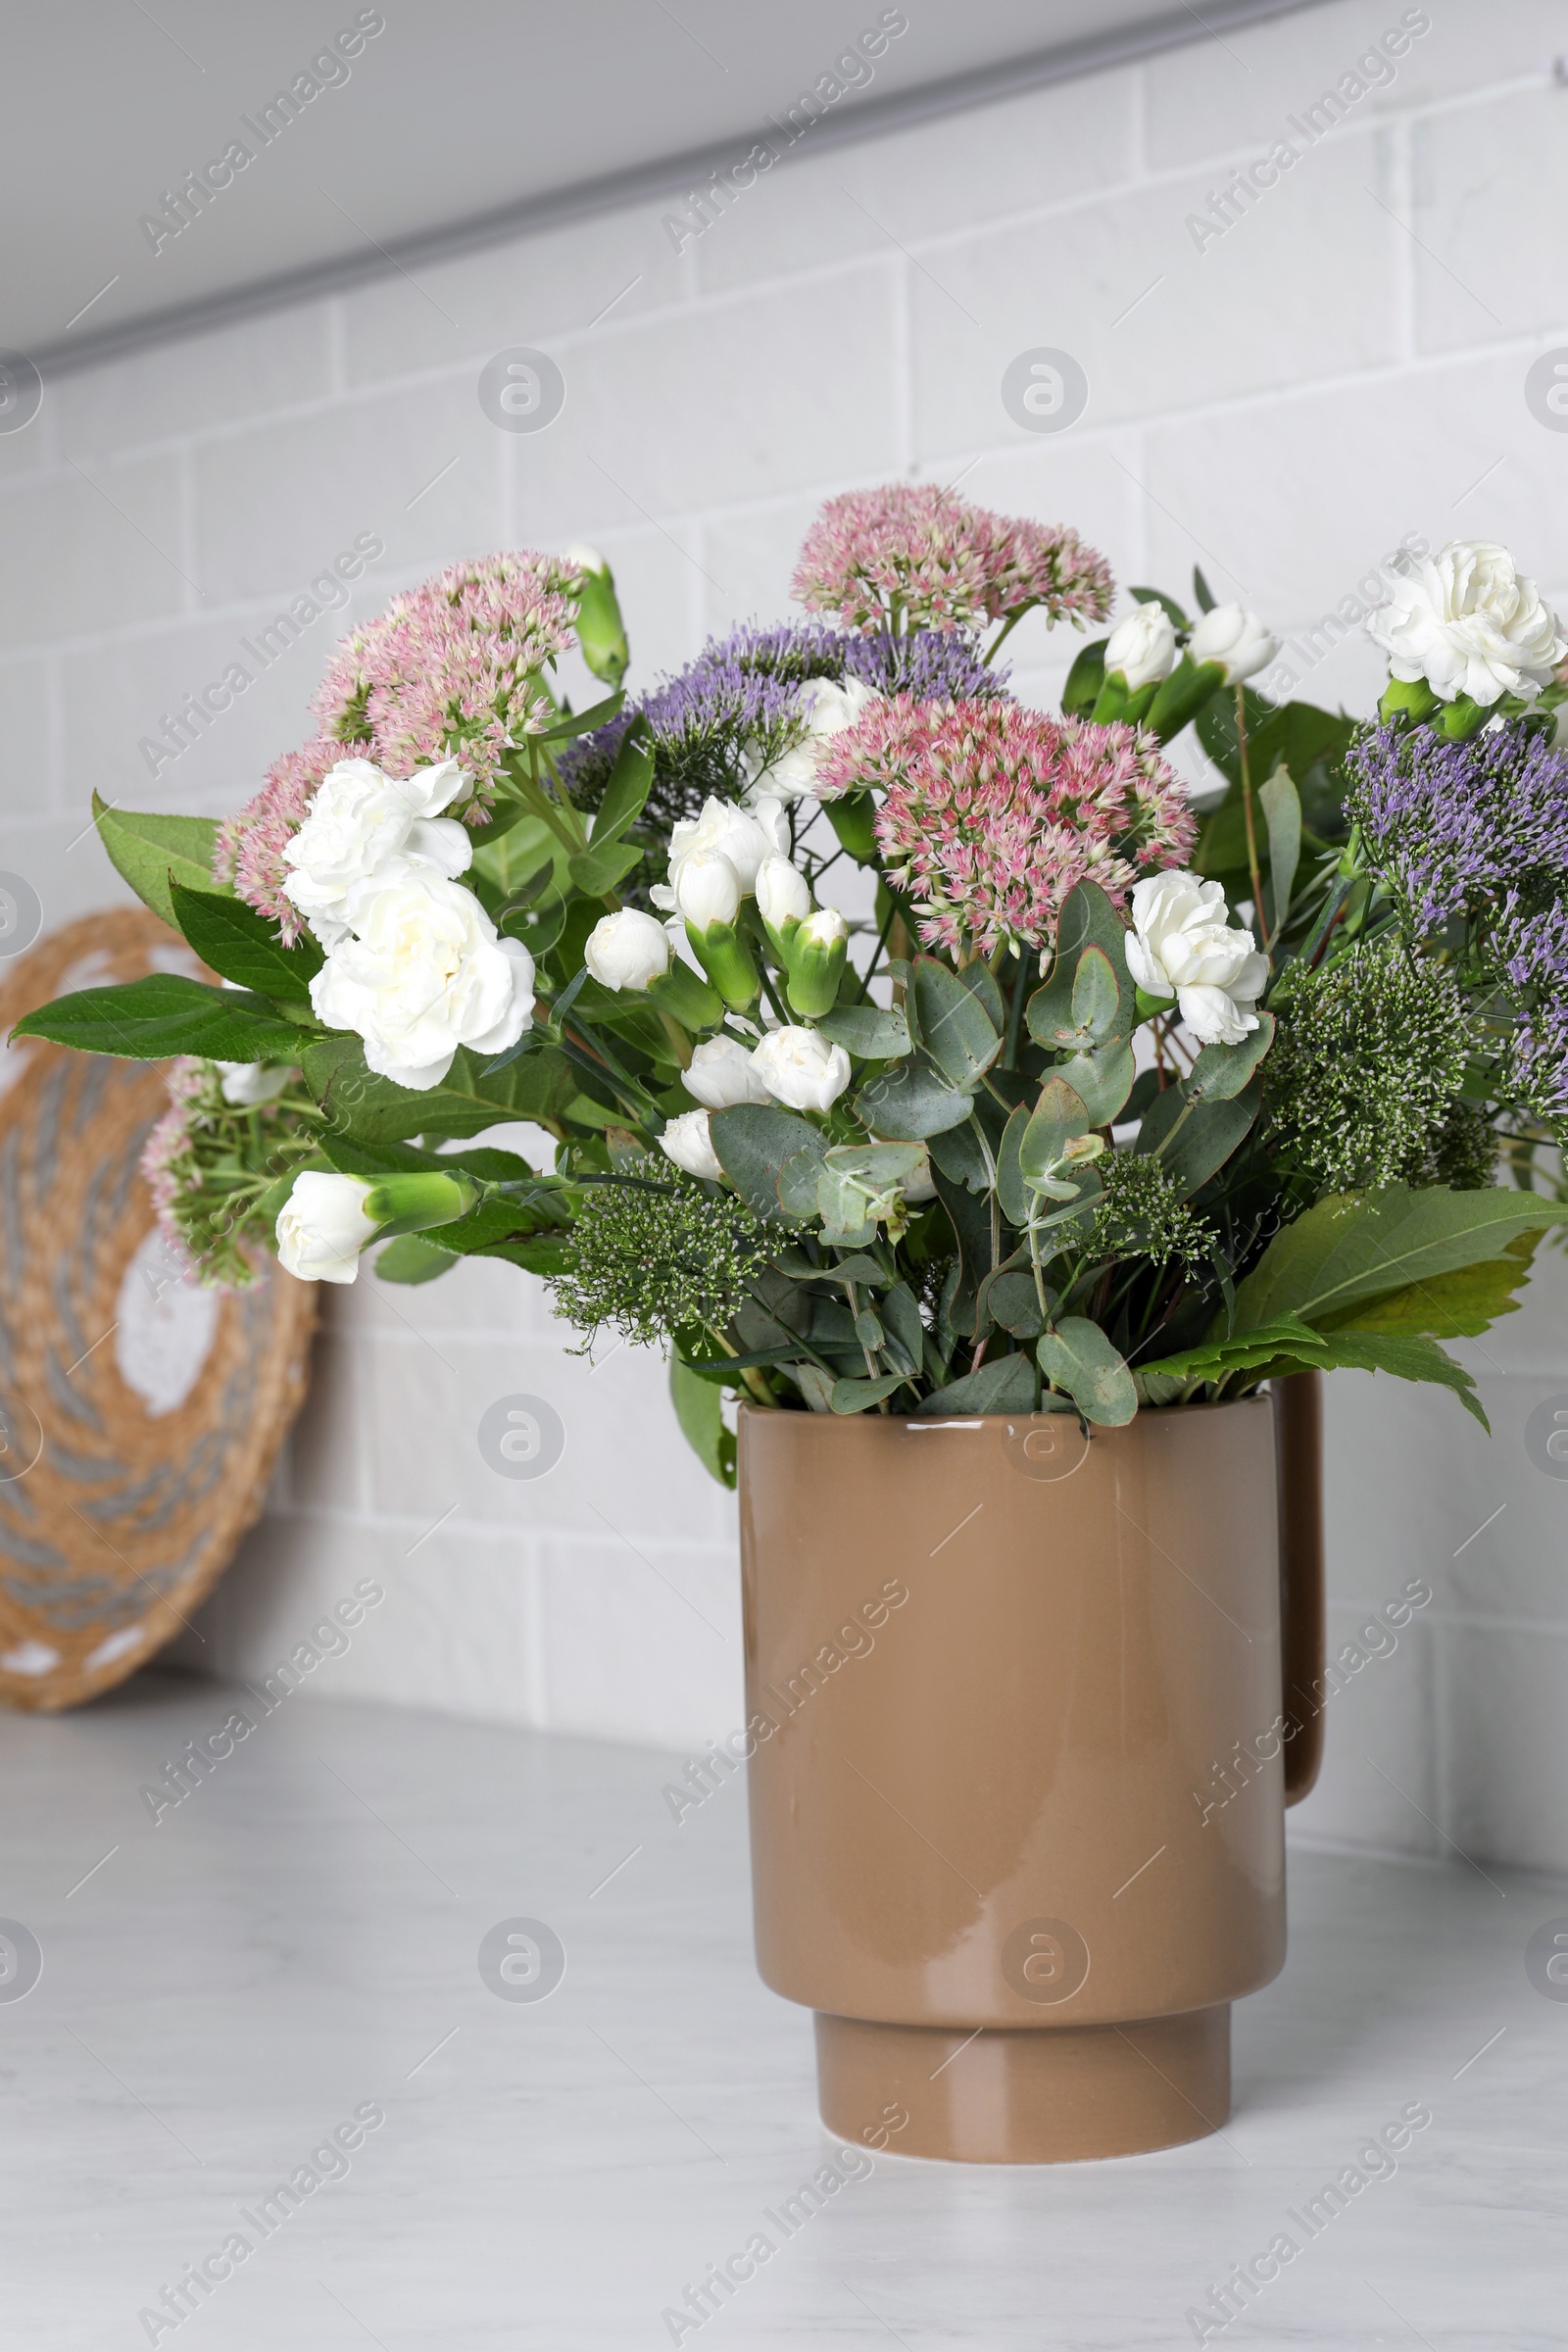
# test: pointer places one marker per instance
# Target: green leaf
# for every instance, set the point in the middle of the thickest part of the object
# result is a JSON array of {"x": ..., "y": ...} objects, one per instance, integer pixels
[
  {"x": 877, "y": 1163},
  {"x": 980, "y": 980},
  {"x": 1362, "y": 1246},
  {"x": 956, "y": 1153},
  {"x": 581, "y": 722},
  {"x": 1202, "y": 594},
  {"x": 1282, "y": 809},
  {"x": 1077, "y": 1356},
  {"x": 412, "y": 1259},
  {"x": 866, "y": 1031},
  {"x": 243, "y": 944},
  {"x": 1407, "y": 1360},
  {"x": 754, "y": 1142},
  {"x": 1167, "y": 604},
  {"x": 1013, "y": 1301},
  {"x": 1221, "y": 1071},
  {"x": 1096, "y": 997},
  {"x": 1450, "y": 1306},
  {"x": 1193, "y": 1141},
  {"x": 700, "y": 1410},
  {"x": 857, "y": 1395},
  {"x": 1102, "y": 1080},
  {"x": 1057, "y": 1118},
  {"x": 912, "y": 1101},
  {"x": 597, "y": 871},
  {"x": 799, "y": 1180},
  {"x": 627, "y": 790},
  {"x": 1088, "y": 920},
  {"x": 373, "y": 1109},
  {"x": 956, "y": 1028},
  {"x": 1005, "y": 1385},
  {"x": 147, "y": 850},
  {"x": 1212, "y": 1358},
  {"x": 901, "y": 1317},
  {"x": 1085, "y": 679},
  {"x": 1016, "y": 1198},
  {"x": 165, "y": 1014}
]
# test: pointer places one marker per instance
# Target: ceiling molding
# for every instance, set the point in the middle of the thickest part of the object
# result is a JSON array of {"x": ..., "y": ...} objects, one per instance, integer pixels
[{"x": 985, "y": 86}]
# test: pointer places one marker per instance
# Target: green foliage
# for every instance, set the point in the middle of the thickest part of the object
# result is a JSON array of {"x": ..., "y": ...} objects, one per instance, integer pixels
[
  {"x": 657, "y": 1254},
  {"x": 164, "y": 1015},
  {"x": 1357, "y": 1246},
  {"x": 1077, "y": 1358},
  {"x": 151, "y": 853},
  {"x": 1368, "y": 1068},
  {"x": 700, "y": 1410}
]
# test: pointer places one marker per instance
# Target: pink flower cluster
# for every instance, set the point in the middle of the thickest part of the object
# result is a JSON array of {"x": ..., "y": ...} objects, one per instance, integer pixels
[
  {"x": 918, "y": 556},
  {"x": 249, "y": 853},
  {"x": 452, "y": 670},
  {"x": 449, "y": 671},
  {"x": 992, "y": 814}
]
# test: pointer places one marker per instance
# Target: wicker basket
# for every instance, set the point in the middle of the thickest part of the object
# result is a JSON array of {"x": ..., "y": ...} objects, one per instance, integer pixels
[{"x": 140, "y": 1416}]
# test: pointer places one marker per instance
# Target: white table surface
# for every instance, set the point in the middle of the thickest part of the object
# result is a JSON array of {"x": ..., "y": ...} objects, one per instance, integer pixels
[{"x": 299, "y": 1939}]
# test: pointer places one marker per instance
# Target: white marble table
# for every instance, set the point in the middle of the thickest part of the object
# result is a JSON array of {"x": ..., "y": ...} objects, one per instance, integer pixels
[{"x": 296, "y": 1943}]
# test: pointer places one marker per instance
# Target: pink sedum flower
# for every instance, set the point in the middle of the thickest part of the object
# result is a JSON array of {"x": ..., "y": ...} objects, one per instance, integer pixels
[
  {"x": 452, "y": 670},
  {"x": 916, "y": 556},
  {"x": 992, "y": 814}
]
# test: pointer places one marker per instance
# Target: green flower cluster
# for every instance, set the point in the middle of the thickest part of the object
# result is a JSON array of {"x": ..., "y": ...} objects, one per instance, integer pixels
[
  {"x": 653, "y": 1253},
  {"x": 1142, "y": 1213},
  {"x": 1363, "y": 1081}
]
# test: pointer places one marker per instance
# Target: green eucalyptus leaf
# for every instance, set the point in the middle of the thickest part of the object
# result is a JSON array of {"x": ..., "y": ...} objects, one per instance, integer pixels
[
  {"x": 1078, "y": 1358},
  {"x": 1193, "y": 1140},
  {"x": 1004, "y": 1385},
  {"x": 1221, "y": 1071},
  {"x": 956, "y": 1153},
  {"x": 1015, "y": 1196},
  {"x": 1102, "y": 1080},
  {"x": 857, "y": 1395},
  {"x": 410, "y": 1258},
  {"x": 866, "y": 1031},
  {"x": 956, "y": 1028},
  {"x": 752, "y": 1142},
  {"x": 911, "y": 1101},
  {"x": 1059, "y": 1116}
]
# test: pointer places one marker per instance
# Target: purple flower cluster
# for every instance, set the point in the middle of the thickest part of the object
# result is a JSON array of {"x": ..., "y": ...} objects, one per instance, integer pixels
[
  {"x": 1454, "y": 826},
  {"x": 1477, "y": 833},
  {"x": 739, "y": 696}
]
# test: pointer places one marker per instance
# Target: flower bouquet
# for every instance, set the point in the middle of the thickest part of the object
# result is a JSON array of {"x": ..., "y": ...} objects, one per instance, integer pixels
[
  {"x": 905, "y": 1049},
  {"x": 987, "y": 1111}
]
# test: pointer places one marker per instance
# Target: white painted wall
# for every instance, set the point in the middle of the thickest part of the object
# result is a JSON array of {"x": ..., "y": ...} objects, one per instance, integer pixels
[{"x": 1342, "y": 366}]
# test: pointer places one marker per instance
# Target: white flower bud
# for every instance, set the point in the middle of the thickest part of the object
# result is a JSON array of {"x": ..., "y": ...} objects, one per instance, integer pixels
[
  {"x": 1182, "y": 944},
  {"x": 321, "y": 1226},
  {"x": 783, "y": 894},
  {"x": 628, "y": 950},
  {"x": 686, "y": 1142},
  {"x": 1143, "y": 646},
  {"x": 722, "y": 1074},
  {"x": 800, "y": 1069},
  {"x": 1234, "y": 638},
  {"x": 707, "y": 889}
]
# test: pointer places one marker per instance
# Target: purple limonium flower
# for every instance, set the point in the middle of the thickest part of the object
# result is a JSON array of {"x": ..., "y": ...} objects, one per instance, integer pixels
[
  {"x": 1454, "y": 826},
  {"x": 1530, "y": 956},
  {"x": 735, "y": 709}
]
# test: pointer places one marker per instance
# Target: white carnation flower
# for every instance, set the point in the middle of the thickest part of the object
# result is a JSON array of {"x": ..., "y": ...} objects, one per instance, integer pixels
[
  {"x": 1467, "y": 622},
  {"x": 1181, "y": 945},
  {"x": 423, "y": 974},
  {"x": 362, "y": 825},
  {"x": 321, "y": 1226}
]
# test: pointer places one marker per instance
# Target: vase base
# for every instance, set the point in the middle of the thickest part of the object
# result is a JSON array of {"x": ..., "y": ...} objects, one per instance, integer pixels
[{"x": 1043, "y": 2095}]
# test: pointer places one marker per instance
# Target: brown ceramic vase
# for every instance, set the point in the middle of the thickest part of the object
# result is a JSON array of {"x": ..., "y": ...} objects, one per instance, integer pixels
[{"x": 1017, "y": 1824}]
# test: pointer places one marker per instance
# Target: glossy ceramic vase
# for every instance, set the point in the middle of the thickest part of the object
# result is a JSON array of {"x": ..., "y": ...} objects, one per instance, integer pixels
[{"x": 1025, "y": 1710}]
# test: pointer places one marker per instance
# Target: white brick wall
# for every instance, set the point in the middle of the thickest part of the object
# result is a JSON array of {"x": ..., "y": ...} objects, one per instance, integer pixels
[{"x": 1344, "y": 365}]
